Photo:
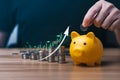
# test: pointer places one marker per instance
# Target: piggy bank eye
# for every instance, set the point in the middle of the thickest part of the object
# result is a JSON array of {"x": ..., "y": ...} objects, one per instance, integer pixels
[
  {"x": 74, "y": 42},
  {"x": 84, "y": 43}
]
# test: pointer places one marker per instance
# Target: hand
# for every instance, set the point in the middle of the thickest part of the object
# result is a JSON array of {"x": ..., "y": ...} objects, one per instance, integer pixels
[{"x": 103, "y": 14}]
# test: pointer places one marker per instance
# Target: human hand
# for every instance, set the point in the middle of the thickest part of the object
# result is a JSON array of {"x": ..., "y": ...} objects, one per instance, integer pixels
[{"x": 103, "y": 14}]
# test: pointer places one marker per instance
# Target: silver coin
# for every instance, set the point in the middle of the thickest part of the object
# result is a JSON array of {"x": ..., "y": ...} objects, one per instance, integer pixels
[
  {"x": 83, "y": 28},
  {"x": 25, "y": 56}
]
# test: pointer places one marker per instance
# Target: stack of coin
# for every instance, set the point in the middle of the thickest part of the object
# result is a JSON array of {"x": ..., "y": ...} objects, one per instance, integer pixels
[
  {"x": 34, "y": 55},
  {"x": 41, "y": 55},
  {"x": 46, "y": 53},
  {"x": 61, "y": 55},
  {"x": 52, "y": 57},
  {"x": 25, "y": 55}
]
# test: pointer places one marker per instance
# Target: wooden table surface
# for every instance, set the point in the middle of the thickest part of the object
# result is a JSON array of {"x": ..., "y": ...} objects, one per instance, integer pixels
[{"x": 13, "y": 67}]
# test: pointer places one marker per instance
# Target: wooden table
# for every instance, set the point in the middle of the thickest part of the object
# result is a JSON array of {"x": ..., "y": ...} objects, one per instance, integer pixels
[{"x": 13, "y": 67}]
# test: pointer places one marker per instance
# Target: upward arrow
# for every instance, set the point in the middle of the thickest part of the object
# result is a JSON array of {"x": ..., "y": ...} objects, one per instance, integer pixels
[
  {"x": 66, "y": 34},
  {"x": 67, "y": 31}
]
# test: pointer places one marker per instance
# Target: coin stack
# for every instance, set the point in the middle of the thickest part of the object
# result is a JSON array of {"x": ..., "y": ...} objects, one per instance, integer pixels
[
  {"x": 52, "y": 57},
  {"x": 41, "y": 55},
  {"x": 24, "y": 54},
  {"x": 44, "y": 49},
  {"x": 34, "y": 55},
  {"x": 61, "y": 55}
]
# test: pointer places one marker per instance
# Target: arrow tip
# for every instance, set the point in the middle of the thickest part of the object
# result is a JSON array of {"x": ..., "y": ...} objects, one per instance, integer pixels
[{"x": 67, "y": 31}]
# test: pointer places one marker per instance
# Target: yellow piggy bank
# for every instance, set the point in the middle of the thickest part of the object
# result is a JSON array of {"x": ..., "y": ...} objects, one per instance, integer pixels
[{"x": 86, "y": 49}]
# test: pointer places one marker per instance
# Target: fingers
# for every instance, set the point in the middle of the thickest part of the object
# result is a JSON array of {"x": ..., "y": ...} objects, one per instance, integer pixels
[
  {"x": 91, "y": 14},
  {"x": 111, "y": 19},
  {"x": 115, "y": 25},
  {"x": 103, "y": 14}
]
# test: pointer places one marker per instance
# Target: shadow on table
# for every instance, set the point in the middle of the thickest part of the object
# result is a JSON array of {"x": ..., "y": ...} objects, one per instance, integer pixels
[{"x": 108, "y": 63}]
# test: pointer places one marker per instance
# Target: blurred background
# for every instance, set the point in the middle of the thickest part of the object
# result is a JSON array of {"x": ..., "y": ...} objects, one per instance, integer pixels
[{"x": 107, "y": 37}]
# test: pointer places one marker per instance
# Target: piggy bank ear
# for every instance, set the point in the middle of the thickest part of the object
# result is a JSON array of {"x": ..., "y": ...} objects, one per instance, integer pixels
[
  {"x": 91, "y": 35},
  {"x": 74, "y": 34}
]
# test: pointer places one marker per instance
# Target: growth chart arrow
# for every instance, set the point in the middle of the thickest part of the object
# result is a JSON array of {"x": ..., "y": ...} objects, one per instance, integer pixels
[{"x": 66, "y": 33}]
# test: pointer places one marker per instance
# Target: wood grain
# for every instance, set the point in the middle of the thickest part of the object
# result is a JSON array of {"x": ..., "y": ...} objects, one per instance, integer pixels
[{"x": 13, "y": 67}]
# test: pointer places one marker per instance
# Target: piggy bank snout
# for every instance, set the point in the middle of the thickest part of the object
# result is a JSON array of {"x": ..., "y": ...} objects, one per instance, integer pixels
[{"x": 78, "y": 52}]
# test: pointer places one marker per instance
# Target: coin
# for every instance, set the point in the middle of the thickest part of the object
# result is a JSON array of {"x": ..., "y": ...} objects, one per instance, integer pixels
[{"x": 83, "y": 28}]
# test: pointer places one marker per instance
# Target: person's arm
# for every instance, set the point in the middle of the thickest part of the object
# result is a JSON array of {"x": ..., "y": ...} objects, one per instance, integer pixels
[
  {"x": 3, "y": 39},
  {"x": 7, "y": 21},
  {"x": 104, "y": 14}
]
